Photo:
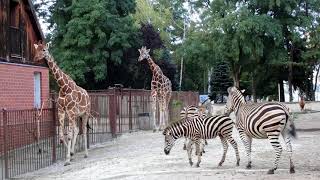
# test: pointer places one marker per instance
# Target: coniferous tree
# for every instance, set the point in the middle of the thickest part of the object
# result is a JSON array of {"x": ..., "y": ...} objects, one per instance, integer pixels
[{"x": 220, "y": 81}]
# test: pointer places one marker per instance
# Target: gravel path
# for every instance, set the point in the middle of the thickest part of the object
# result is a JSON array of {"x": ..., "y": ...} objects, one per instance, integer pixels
[{"x": 140, "y": 156}]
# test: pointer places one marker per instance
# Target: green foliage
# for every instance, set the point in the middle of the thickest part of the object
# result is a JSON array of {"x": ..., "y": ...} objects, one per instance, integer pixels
[
  {"x": 90, "y": 35},
  {"x": 220, "y": 81}
]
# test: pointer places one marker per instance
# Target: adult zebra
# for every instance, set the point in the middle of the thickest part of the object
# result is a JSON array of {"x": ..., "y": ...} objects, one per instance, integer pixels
[
  {"x": 191, "y": 112},
  {"x": 197, "y": 129},
  {"x": 261, "y": 121}
]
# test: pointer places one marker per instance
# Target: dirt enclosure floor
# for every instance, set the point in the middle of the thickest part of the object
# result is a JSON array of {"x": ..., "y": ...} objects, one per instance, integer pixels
[{"x": 140, "y": 156}]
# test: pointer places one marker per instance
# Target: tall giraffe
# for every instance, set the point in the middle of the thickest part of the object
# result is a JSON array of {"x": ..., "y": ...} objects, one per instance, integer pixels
[
  {"x": 160, "y": 90},
  {"x": 73, "y": 101}
]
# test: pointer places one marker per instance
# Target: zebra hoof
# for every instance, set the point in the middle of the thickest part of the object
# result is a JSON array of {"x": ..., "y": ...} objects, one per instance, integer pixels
[
  {"x": 249, "y": 166},
  {"x": 271, "y": 171},
  {"x": 154, "y": 130},
  {"x": 197, "y": 165},
  {"x": 71, "y": 154},
  {"x": 292, "y": 171},
  {"x": 220, "y": 163},
  {"x": 66, "y": 163},
  {"x": 238, "y": 163},
  {"x": 85, "y": 156}
]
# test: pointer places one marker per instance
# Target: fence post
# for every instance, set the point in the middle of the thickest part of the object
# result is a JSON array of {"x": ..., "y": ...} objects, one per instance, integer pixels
[
  {"x": 5, "y": 136},
  {"x": 130, "y": 111},
  {"x": 113, "y": 113},
  {"x": 54, "y": 139}
]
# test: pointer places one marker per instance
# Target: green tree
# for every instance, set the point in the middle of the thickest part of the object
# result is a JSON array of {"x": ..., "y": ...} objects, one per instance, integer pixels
[
  {"x": 220, "y": 81},
  {"x": 89, "y": 36}
]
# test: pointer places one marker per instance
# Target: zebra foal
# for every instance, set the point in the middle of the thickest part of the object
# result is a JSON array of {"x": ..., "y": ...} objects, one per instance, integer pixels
[
  {"x": 261, "y": 121},
  {"x": 199, "y": 128}
]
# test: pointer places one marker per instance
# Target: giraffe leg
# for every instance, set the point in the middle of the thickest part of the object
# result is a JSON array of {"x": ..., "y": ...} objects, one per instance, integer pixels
[
  {"x": 85, "y": 131},
  {"x": 225, "y": 149},
  {"x": 154, "y": 112},
  {"x": 161, "y": 107},
  {"x": 70, "y": 136},
  {"x": 274, "y": 140},
  {"x": 247, "y": 144},
  {"x": 61, "y": 116},
  {"x": 74, "y": 140},
  {"x": 235, "y": 147}
]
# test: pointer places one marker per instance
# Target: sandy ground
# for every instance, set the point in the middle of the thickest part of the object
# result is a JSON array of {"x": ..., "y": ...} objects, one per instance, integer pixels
[{"x": 140, "y": 156}]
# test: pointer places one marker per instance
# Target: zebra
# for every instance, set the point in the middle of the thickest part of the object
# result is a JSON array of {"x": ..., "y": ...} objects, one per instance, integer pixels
[
  {"x": 192, "y": 111},
  {"x": 261, "y": 121},
  {"x": 199, "y": 128}
]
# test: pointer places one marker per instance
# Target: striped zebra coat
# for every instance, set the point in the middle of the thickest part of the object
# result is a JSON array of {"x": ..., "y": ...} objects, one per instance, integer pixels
[
  {"x": 191, "y": 112},
  {"x": 261, "y": 121},
  {"x": 199, "y": 128}
]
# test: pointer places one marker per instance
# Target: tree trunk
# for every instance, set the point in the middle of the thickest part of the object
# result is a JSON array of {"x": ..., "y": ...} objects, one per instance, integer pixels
[
  {"x": 290, "y": 81},
  {"x": 315, "y": 84},
  {"x": 253, "y": 86},
  {"x": 281, "y": 91},
  {"x": 236, "y": 76}
]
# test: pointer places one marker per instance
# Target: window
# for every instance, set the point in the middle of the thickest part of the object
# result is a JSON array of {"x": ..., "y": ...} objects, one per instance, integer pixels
[{"x": 37, "y": 89}]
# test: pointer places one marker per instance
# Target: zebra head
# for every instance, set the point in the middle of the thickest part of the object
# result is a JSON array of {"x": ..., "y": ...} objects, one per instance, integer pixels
[
  {"x": 169, "y": 140},
  {"x": 235, "y": 97}
]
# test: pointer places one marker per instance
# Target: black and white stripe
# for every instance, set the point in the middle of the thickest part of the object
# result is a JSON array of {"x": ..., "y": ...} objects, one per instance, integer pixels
[
  {"x": 261, "y": 121},
  {"x": 191, "y": 112},
  {"x": 201, "y": 128}
]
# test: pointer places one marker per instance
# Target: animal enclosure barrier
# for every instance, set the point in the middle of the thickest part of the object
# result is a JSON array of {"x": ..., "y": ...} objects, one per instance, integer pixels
[{"x": 29, "y": 139}]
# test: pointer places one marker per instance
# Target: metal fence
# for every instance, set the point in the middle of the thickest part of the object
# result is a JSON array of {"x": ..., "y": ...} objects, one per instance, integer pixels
[{"x": 29, "y": 141}]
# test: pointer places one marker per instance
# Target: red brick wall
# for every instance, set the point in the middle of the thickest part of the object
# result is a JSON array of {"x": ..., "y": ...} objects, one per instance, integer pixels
[{"x": 17, "y": 85}]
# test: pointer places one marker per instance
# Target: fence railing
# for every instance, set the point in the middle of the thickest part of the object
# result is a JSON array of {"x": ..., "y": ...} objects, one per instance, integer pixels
[{"x": 29, "y": 142}]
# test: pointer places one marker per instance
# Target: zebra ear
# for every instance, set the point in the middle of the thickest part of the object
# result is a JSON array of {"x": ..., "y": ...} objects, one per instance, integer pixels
[
  {"x": 243, "y": 90},
  {"x": 164, "y": 132},
  {"x": 229, "y": 90}
]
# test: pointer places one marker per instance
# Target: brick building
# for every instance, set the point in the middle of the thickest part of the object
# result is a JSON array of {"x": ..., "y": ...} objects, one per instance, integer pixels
[{"x": 23, "y": 84}]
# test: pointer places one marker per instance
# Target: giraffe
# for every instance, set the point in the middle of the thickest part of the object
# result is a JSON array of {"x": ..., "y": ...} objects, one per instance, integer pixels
[
  {"x": 160, "y": 90},
  {"x": 73, "y": 101}
]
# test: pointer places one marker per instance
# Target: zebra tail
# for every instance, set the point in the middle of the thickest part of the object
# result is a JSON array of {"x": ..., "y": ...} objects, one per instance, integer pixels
[{"x": 290, "y": 126}]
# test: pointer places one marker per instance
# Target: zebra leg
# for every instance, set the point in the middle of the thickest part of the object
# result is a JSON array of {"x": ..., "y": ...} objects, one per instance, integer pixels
[
  {"x": 235, "y": 147},
  {"x": 205, "y": 142},
  {"x": 225, "y": 149},
  {"x": 189, "y": 151},
  {"x": 274, "y": 140},
  {"x": 202, "y": 145},
  {"x": 247, "y": 144},
  {"x": 199, "y": 149},
  {"x": 289, "y": 149},
  {"x": 185, "y": 144}
]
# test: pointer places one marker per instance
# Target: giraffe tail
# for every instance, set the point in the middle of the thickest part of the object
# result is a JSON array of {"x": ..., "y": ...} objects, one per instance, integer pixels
[{"x": 93, "y": 121}]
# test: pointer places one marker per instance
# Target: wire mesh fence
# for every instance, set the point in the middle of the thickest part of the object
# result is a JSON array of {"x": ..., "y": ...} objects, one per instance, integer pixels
[{"x": 29, "y": 140}]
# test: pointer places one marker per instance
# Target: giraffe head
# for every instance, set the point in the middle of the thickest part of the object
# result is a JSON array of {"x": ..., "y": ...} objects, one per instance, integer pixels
[
  {"x": 42, "y": 52},
  {"x": 144, "y": 53}
]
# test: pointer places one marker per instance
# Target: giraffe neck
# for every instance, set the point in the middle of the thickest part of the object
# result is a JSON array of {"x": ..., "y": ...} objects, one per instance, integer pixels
[
  {"x": 153, "y": 66},
  {"x": 58, "y": 74}
]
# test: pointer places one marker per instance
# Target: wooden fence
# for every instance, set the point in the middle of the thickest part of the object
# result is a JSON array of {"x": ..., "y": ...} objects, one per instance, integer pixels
[{"x": 29, "y": 142}]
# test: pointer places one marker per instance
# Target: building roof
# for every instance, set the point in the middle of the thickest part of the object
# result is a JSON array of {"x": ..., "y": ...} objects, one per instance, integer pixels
[{"x": 34, "y": 19}]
